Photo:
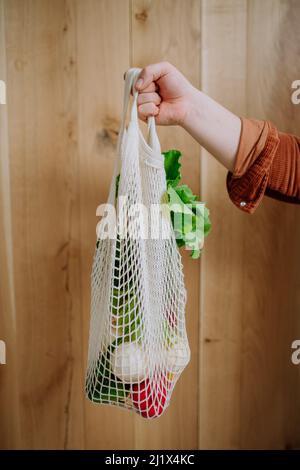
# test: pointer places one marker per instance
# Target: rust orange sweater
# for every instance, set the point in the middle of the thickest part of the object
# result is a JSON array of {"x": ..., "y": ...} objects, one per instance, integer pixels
[{"x": 267, "y": 162}]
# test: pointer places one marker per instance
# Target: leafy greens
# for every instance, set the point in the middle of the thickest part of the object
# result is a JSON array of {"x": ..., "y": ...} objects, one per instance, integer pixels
[{"x": 190, "y": 217}]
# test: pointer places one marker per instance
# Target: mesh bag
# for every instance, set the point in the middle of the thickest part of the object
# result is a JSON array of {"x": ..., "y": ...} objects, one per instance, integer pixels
[{"x": 138, "y": 345}]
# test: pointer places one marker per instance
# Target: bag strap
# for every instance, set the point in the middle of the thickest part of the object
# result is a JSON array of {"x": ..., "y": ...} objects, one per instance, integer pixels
[{"x": 153, "y": 141}]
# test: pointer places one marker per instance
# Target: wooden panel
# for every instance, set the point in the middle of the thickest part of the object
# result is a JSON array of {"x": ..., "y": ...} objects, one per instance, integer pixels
[
  {"x": 270, "y": 409},
  {"x": 250, "y": 277},
  {"x": 42, "y": 112},
  {"x": 222, "y": 295},
  {"x": 9, "y": 429},
  {"x": 63, "y": 61},
  {"x": 103, "y": 55},
  {"x": 170, "y": 30}
]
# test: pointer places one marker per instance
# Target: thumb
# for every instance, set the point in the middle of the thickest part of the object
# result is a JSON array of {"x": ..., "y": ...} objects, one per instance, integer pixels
[{"x": 152, "y": 73}]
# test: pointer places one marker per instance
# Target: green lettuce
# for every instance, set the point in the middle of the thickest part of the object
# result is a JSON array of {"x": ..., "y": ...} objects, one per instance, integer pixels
[{"x": 190, "y": 217}]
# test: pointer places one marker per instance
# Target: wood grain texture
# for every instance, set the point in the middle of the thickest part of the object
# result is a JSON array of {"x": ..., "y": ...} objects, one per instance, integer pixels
[
  {"x": 42, "y": 119},
  {"x": 222, "y": 297},
  {"x": 103, "y": 55},
  {"x": 270, "y": 411},
  {"x": 63, "y": 61},
  {"x": 250, "y": 271},
  {"x": 9, "y": 429},
  {"x": 171, "y": 30}
]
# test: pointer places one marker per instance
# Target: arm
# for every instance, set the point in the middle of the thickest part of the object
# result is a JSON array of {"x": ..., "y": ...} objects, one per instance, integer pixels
[
  {"x": 259, "y": 159},
  {"x": 168, "y": 95},
  {"x": 215, "y": 128}
]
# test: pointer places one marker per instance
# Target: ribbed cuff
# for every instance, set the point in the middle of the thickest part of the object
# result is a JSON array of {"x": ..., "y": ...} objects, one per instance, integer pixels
[{"x": 247, "y": 190}]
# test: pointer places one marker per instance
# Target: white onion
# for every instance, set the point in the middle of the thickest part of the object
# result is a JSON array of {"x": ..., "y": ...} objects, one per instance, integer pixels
[
  {"x": 129, "y": 363},
  {"x": 177, "y": 357}
]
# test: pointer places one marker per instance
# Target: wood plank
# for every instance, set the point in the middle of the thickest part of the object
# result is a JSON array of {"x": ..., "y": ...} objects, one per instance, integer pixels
[
  {"x": 170, "y": 30},
  {"x": 9, "y": 430},
  {"x": 270, "y": 410},
  {"x": 42, "y": 86},
  {"x": 63, "y": 62},
  {"x": 103, "y": 55},
  {"x": 248, "y": 396},
  {"x": 222, "y": 295}
]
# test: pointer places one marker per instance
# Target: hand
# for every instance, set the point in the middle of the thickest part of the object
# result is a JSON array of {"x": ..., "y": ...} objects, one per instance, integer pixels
[{"x": 164, "y": 93}]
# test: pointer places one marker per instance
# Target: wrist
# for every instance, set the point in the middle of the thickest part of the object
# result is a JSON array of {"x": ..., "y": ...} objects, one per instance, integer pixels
[
  {"x": 193, "y": 109},
  {"x": 214, "y": 127}
]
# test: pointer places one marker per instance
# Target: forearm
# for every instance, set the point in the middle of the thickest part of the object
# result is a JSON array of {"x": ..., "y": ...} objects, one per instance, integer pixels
[{"x": 214, "y": 127}]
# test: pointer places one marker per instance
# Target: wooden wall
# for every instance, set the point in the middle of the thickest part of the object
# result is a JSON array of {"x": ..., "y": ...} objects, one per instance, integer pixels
[{"x": 63, "y": 62}]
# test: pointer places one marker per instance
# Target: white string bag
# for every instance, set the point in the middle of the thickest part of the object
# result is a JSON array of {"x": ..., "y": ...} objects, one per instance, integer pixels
[{"x": 138, "y": 345}]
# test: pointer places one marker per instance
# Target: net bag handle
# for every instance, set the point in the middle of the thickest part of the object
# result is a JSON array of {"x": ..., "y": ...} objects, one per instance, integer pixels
[{"x": 152, "y": 137}]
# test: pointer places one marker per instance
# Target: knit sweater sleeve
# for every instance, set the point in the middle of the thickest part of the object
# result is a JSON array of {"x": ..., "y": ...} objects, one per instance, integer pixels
[{"x": 267, "y": 163}]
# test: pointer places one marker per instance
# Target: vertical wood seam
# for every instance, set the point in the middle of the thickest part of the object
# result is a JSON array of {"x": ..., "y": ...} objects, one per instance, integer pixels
[
  {"x": 242, "y": 327},
  {"x": 5, "y": 172},
  {"x": 201, "y": 278},
  {"x": 130, "y": 48},
  {"x": 80, "y": 263},
  {"x": 130, "y": 59},
  {"x": 7, "y": 211}
]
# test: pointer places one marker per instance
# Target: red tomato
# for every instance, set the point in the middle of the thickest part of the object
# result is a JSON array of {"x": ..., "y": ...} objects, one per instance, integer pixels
[{"x": 150, "y": 400}]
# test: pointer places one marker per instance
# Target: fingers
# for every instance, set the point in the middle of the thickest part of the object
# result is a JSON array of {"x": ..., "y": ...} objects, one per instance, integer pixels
[
  {"x": 147, "y": 109},
  {"x": 151, "y": 88},
  {"x": 152, "y": 73},
  {"x": 149, "y": 98}
]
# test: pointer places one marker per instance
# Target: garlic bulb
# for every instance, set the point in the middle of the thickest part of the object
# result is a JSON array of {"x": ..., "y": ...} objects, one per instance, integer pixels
[
  {"x": 178, "y": 356},
  {"x": 129, "y": 363}
]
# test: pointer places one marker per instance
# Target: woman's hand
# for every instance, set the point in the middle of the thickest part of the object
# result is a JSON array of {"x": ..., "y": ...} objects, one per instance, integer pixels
[{"x": 165, "y": 93}]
